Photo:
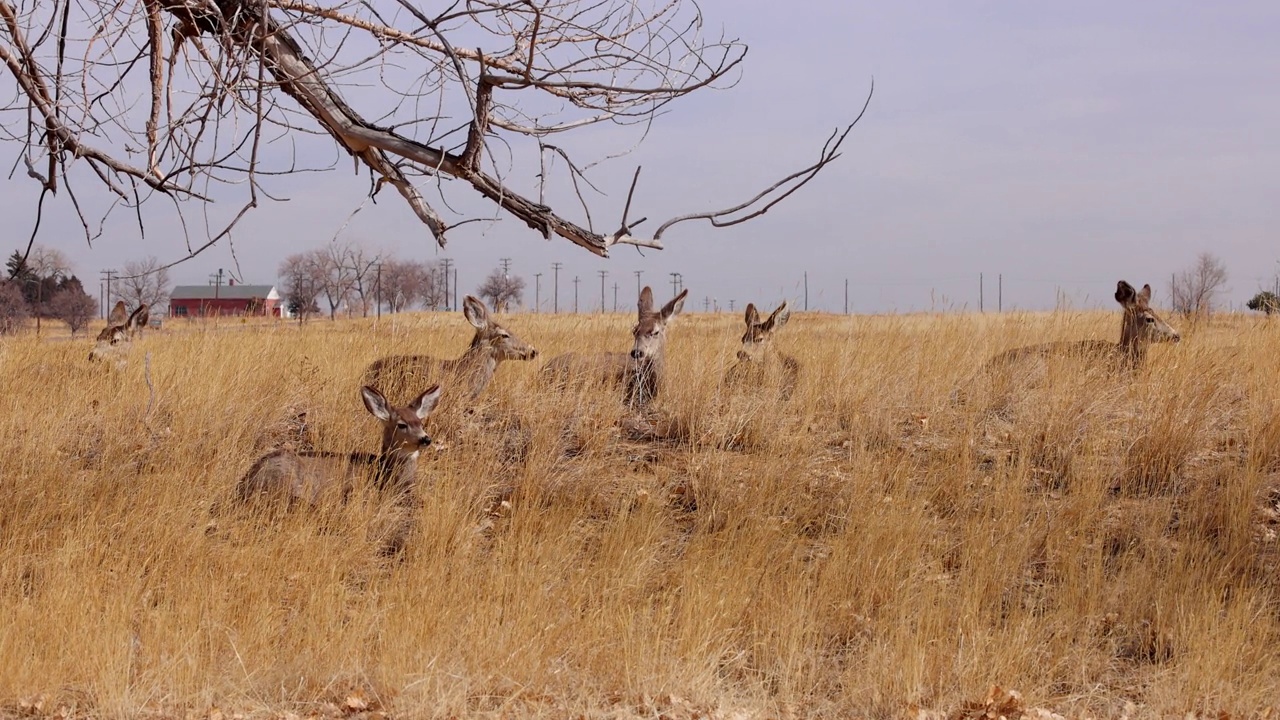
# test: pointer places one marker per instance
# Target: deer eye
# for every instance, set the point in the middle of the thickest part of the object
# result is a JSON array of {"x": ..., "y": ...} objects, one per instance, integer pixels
[{"x": 402, "y": 425}]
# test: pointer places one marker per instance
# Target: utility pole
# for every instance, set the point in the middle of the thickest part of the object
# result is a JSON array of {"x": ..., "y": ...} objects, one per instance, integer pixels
[
  {"x": 215, "y": 279},
  {"x": 806, "y": 291},
  {"x": 377, "y": 293},
  {"x": 506, "y": 266},
  {"x": 555, "y": 266},
  {"x": 980, "y": 293},
  {"x": 537, "y": 292},
  {"x": 639, "y": 272},
  {"x": 602, "y": 274},
  {"x": 706, "y": 304},
  {"x": 107, "y": 275},
  {"x": 615, "y": 297},
  {"x": 1000, "y": 292},
  {"x": 455, "y": 289},
  {"x": 445, "y": 264},
  {"x": 731, "y": 301},
  {"x": 575, "y": 293},
  {"x": 675, "y": 283},
  {"x": 846, "y": 296}
]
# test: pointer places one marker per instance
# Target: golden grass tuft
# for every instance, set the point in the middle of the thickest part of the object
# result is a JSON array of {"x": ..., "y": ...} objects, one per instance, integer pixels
[{"x": 877, "y": 544}]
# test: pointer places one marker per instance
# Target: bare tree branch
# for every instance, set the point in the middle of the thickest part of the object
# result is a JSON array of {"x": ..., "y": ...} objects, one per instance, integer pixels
[{"x": 218, "y": 111}]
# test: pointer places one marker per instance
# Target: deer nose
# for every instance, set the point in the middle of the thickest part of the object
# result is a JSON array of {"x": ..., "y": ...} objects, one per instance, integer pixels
[
  {"x": 424, "y": 441},
  {"x": 636, "y": 354},
  {"x": 533, "y": 353},
  {"x": 742, "y": 355}
]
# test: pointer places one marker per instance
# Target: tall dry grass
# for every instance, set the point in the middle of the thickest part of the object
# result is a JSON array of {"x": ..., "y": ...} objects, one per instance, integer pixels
[{"x": 867, "y": 547}]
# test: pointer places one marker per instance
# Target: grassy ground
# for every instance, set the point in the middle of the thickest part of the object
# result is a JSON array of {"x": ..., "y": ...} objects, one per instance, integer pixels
[{"x": 1102, "y": 545}]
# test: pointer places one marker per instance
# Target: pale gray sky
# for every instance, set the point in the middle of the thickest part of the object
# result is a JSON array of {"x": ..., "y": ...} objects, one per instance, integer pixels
[{"x": 1063, "y": 145}]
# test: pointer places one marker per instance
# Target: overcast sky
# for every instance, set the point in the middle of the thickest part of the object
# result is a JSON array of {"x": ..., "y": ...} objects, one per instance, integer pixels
[{"x": 1063, "y": 145}]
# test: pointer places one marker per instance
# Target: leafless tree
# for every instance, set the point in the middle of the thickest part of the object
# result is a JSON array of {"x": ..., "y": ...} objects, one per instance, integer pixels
[
  {"x": 337, "y": 279},
  {"x": 1194, "y": 290},
  {"x": 13, "y": 308},
  {"x": 301, "y": 278},
  {"x": 363, "y": 267},
  {"x": 406, "y": 283},
  {"x": 228, "y": 89},
  {"x": 48, "y": 262},
  {"x": 502, "y": 289},
  {"x": 143, "y": 281},
  {"x": 73, "y": 307}
]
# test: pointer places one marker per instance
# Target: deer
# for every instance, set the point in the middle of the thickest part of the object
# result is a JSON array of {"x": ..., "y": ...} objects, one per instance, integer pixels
[
  {"x": 756, "y": 358},
  {"x": 310, "y": 476},
  {"x": 641, "y": 369},
  {"x": 1140, "y": 326},
  {"x": 120, "y": 330},
  {"x": 491, "y": 345}
]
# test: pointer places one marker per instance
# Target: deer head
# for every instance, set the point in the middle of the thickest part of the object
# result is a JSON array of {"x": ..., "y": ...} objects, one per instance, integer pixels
[
  {"x": 491, "y": 338},
  {"x": 650, "y": 331},
  {"x": 756, "y": 339},
  {"x": 402, "y": 431},
  {"x": 1141, "y": 325}
]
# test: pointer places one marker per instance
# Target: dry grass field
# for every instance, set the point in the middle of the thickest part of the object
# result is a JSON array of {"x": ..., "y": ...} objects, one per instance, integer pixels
[{"x": 1104, "y": 545}]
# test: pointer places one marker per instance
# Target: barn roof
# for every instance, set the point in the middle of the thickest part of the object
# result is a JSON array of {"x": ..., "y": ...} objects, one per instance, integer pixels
[{"x": 226, "y": 292}]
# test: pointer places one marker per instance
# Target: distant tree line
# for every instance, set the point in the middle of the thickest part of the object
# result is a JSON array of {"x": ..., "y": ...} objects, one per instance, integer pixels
[
  {"x": 42, "y": 286},
  {"x": 349, "y": 276}
]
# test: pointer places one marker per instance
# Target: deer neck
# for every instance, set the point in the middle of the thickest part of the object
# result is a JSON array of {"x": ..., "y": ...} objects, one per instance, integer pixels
[
  {"x": 644, "y": 379},
  {"x": 395, "y": 469},
  {"x": 1133, "y": 349},
  {"x": 479, "y": 362}
]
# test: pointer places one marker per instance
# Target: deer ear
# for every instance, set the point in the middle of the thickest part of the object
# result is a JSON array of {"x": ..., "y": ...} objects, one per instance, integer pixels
[
  {"x": 671, "y": 309},
  {"x": 779, "y": 316},
  {"x": 1125, "y": 294},
  {"x": 119, "y": 314},
  {"x": 645, "y": 306},
  {"x": 375, "y": 403},
  {"x": 475, "y": 312},
  {"x": 426, "y": 402},
  {"x": 753, "y": 316},
  {"x": 1145, "y": 295},
  {"x": 137, "y": 317}
]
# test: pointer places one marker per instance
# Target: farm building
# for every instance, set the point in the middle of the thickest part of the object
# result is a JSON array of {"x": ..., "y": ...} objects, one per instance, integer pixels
[{"x": 231, "y": 299}]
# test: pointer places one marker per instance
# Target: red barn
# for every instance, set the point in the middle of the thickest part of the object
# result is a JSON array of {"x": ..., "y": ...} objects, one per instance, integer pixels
[{"x": 232, "y": 299}]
